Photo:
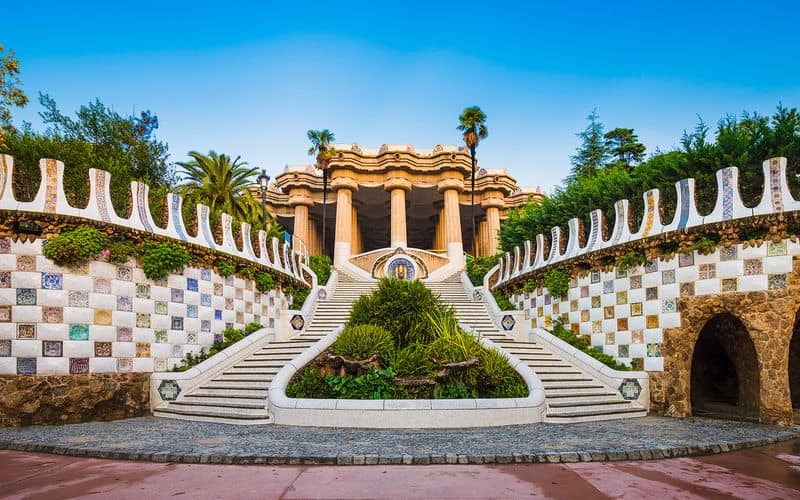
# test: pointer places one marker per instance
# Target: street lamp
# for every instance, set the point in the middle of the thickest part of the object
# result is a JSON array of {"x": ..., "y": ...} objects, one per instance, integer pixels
[{"x": 263, "y": 181}]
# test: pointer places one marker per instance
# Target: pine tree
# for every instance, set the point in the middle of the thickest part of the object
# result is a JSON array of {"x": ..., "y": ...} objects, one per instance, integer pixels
[
  {"x": 625, "y": 146},
  {"x": 593, "y": 152}
]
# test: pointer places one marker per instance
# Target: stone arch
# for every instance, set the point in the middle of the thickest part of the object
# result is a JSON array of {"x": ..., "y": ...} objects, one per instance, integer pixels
[{"x": 724, "y": 371}]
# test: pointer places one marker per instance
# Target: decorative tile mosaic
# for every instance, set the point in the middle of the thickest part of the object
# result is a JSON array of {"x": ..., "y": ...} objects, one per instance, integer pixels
[
  {"x": 573, "y": 305},
  {"x": 52, "y": 314},
  {"x": 169, "y": 390},
  {"x": 5, "y": 314},
  {"x": 5, "y": 279},
  {"x": 191, "y": 338},
  {"x": 218, "y": 289},
  {"x": 5, "y": 348},
  {"x": 26, "y": 296},
  {"x": 728, "y": 253},
  {"x": 651, "y": 266},
  {"x": 651, "y": 293},
  {"x": 653, "y": 350},
  {"x": 622, "y": 324},
  {"x": 26, "y": 366},
  {"x": 78, "y": 366},
  {"x": 79, "y": 331},
  {"x": 176, "y": 295},
  {"x": 621, "y": 273},
  {"x": 636, "y": 282},
  {"x": 608, "y": 286},
  {"x": 239, "y": 294},
  {"x": 142, "y": 291},
  {"x": 622, "y": 298},
  {"x": 595, "y": 277},
  {"x": 124, "y": 365},
  {"x": 160, "y": 307},
  {"x": 191, "y": 284},
  {"x": 585, "y": 315},
  {"x": 217, "y": 338},
  {"x": 597, "y": 326},
  {"x": 205, "y": 300},
  {"x": 143, "y": 349},
  {"x": 298, "y": 322},
  {"x": 102, "y": 317},
  {"x": 686, "y": 259},
  {"x": 708, "y": 271},
  {"x": 752, "y": 267},
  {"x": 636, "y": 308},
  {"x": 102, "y": 285},
  {"x": 191, "y": 311},
  {"x": 229, "y": 304},
  {"x": 26, "y": 331},
  {"x": 239, "y": 317},
  {"x": 775, "y": 249},
  {"x": 176, "y": 323},
  {"x": 271, "y": 323},
  {"x": 730, "y": 284},
  {"x": 610, "y": 337},
  {"x": 651, "y": 321},
  {"x": 205, "y": 274},
  {"x": 778, "y": 281},
  {"x": 52, "y": 281},
  {"x": 637, "y": 336},
  {"x": 669, "y": 306},
  {"x": 229, "y": 280},
  {"x": 142, "y": 320},
  {"x": 102, "y": 349},
  {"x": 161, "y": 336},
  {"x": 556, "y": 309},
  {"x": 124, "y": 273},
  {"x": 205, "y": 325},
  {"x": 608, "y": 312},
  {"x": 5, "y": 245},
  {"x": 595, "y": 302},
  {"x": 217, "y": 314},
  {"x": 622, "y": 351},
  {"x": 124, "y": 303},
  {"x": 124, "y": 334},
  {"x": 630, "y": 389},
  {"x": 584, "y": 292},
  {"x": 507, "y": 323},
  {"x": 668, "y": 277},
  {"x": 78, "y": 299},
  {"x": 26, "y": 263},
  {"x": 687, "y": 289},
  {"x": 547, "y": 299}
]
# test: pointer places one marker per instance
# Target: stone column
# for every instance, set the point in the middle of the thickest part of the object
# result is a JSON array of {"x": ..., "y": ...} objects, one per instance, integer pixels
[
  {"x": 397, "y": 188},
  {"x": 493, "y": 206},
  {"x": 452, "y": 216},
  {"x": 356, "y": 229},
  {"x": 314, "y": 246},
  {"x": 344, "y": 188},
  {"x": 301, "y": 200}
]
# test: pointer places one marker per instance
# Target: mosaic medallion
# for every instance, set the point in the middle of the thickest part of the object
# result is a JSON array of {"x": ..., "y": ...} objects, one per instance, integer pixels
[
  {"x": 630, "y": 389},
  {"x": 160, "y": 307},
  {"x": 142, "y": 320},
  {"x": 508, "y": 322},
  {"x": 124, "y": 273},
  {"x": 169, "y": 390},
  {"x": 53, "y": 314},
  {"x": 142, "y": 291},
  {"x": 102, "y": 285},
  {"x": 401, "y": 268},
  {"x": 322, "y": 294},
  {"x": 143, "y": 349},
  {"x": 161, "y": 336},
  {"x": 205, "y": 274},
  {"x": 205, "y": 325},
  {"x": 177, "y": 323},
  {"x": 5, "y": 279},
  {"x": 176, "y": 295},
  {"x": 297, "y": 322},
  {"x": 124, "y": 304}
]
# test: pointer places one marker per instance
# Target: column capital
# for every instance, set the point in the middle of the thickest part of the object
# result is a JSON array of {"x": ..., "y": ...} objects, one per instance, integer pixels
[
  {"x": 498, "y": 203},
  {"x": 344, "y": 183},
  {"x": 397, "y": 183},
  {"x": 448, "y": 184},
  {"x": 300, "y": 199}
]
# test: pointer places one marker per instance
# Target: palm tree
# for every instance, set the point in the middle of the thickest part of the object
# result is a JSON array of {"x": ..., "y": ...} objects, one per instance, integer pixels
[
  {"x": 321, "y": 141},
  {"x": 220, "y": 183},
  {"x": 473, "y": 125}
]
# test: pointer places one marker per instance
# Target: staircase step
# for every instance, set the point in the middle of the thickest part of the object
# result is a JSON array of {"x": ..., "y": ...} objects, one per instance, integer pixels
[
  {"x": 232, "y": 415},
  {"x": 216, "y": 404}
]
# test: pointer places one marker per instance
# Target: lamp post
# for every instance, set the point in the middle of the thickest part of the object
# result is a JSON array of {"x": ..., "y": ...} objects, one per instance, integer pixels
[
  {"x": 324, "y": 203},
  {"x": 263, "y": 181}
]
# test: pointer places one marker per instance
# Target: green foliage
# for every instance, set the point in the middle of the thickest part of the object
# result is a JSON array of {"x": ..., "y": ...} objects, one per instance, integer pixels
[
  {"x": 477, "y": 267},
  {"x": 321, "y": 265},
  {"x": 309, "y": 384},
  {"x": 529, "y": 286},
  {"x": 229, "y": 337},
  {"x": 11, "y": 93},
  {"x": 120, "y": 251},
  {"x": 373, "y": 384},
  {"x": 557, "y": 282},
  {"x": 75, "y": 246},
  {"x": 160, "y": 259},
  {"x": 502, "y": 301},
  {"x": 608, "y": 261},
  {"x": 458, "y": 390},
  {"x": 793, "y": 228},
  {"x": 412, "y": 360},
  {"x": 299, "y": 296},
  {"x": 451, "y": 344},
  {"x": 753, "y": 233},
  {"x": 669, "y": 248},
  {"x": 581, "y": 344},
  {"x": 631, "y": 259},
  {"x": 264, "y": 282},
  {"x": 251, "y": 328},
  {"x": 706, "y": 244},
  {"x": 364, "y": 341},
  {"x": 224, "y": 267}
]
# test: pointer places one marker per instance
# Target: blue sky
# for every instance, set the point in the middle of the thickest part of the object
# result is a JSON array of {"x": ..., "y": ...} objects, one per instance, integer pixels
[{"x": 250, "y": 79}]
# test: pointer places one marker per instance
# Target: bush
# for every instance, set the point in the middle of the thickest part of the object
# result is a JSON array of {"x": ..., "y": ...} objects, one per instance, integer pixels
[
  {"x": 503, "y": 302},
  {"x": 451, "y": 344},
  {"x": 753, "y": 233},
  {"x": 299, "y": 296},
  {"x": 120, "y": 251},
  {"x": 75, "y": 246},
  {"x": 557, "y": 282},
  {"x": 529, "y": 286},
  {"x": 631, "y": 260},
  {"x": 669, "y": 248},
  {"x": 224, "y": 267},
  {"x": 160, "y": 259},
  {"x": 373, "y": 384},
  {"x": 264, "y": 282},
  {"x": 364, "y": 341},
  {"x": 321, "y": 265},
  {"x": 412, "y": 360},
  {"x": 477, "y": 267},
  {"x": 309, "y": 384},
  {"x": 706, "y": 244},
  {"x": 252, "y": 328}
]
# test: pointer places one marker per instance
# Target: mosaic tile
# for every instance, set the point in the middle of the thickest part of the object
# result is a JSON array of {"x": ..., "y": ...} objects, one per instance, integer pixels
[
  {"x": 239, "y": 317},
  {"x": 124, "y": 273},
  {"x": 585, "y": 315},
  {"x": 205, "y": 300},
  {"x": 5, "y": 314},
  {"x": 79, "y": 331},
  {"x": 102, "y": 317},
  {"x": 52, "y": 281},
  {"x": 621, "y": 273},
  {"x": 651, "y": 266},
  {"x": 160, "y": 365},
  {"x": 622, "y": 298},
  {"x": 653, "y": 350},
  {"x": 5, "y": 245},
  {"x": 102, "y": 285},
  {"x": 191, "y": 311},
  {"x": 573, "y": 282},
  {"x": 78, "y": 366},
  {"x": 191, "y": 338},
  {"x": 668, "y": 277},
  {"x": 669, "y": 306},
  {"x": 636, "y": 308},
  {"x": 595, "y": 277},
  {"x": 687, "y": 289},
  {"x": 162, "y": 282},
  {"x": 26, "y": 296},
  {"x": 205, "y": 274},
  {"x": 778, "y": 281},
  {"x": 596, "y": 301},
  {"x": 547, "y": 299},
  {"x": 573, "y": 305},
  {"x": 630, "y": 389},
  {"x": 5, "y": 348},
  {"x": 176, "y": 295},
  {"x": 608, "y": 286},
  {"x": 143, "y": 349},
  {"x": 205, "y": 325},
  {"x": 26, "y": 263},
  {"x": 191, "y": 284},
  {"x": 584, "y": 292},
  {"x": 608, "y": 312},
  {"x": 142, "y": 320},
  {"x": 160, "y": 307},
  {"x": 78, "y": 299},
  {"x": 161, "y": 336},
  {"x": 229, "y": 304},
  {"x": 248, "y": 285},
  {"x": 622, "y": 324},
  {"x": 272, "y": 300},
  {"x": 636, "y": 282},
  {"x": 124, "y": 334},
  {"x": 142, "y": 291},
  {"x": 610, "y": 337},
  {"x": 26, "y": 331},
  {"x": 218, "y": 289},
  {"x": 102, "y": 349},
  {"x": 752, "y": 267},
  {"x": 775, "y": 249},
  {"x": 177, "y": 323},
  {"x": 5, "y": 279},
  {"x": 623, "y": 351},
  {"x": 217, "y": 314},
  {"x": 556, "y": 308},
  {"x": 686, "y": 259},
  {"x": 575, "y": 327},
  {"x": 229, "y": 280},
  {"x": 651, "y": 293},
  {"x": 708, "y": 271},
  {"x": 651, "y": 321},
  {"x": 124, "y": 303},
  {"x": 728, "y": 253},
  {"x": 124, "y": 365},
  {"x": 637, "y": 336},
  {"x": 26, "y": 366},
  {"x": 271, "y": 323},
  {"x": 730, "y": 284},
  {"x": 324, "y": 296},
  {"x": 52, "y": 314}
]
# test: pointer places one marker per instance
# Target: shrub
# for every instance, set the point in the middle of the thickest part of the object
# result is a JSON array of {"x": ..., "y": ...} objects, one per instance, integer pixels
[
  {"x": 477, "y": 267},
  {"x": 669, "y": 248},
  {"x": 412, "y": 360},
  {"x": 231, "y": 336},
  {"x": 457, "y": 390},
  {"x": 75, "y": 246},
  {"x": 494, "y": 368},
  {"x": 299, "y": 296},
  {"x": 706, "y": 244},
  {"x": 510, "y": 389},
  {"x": 264, "y": 282},
  {"x": 502, "y": 301},
  {"x": 224, "y": 267},
  {"x": 321, "y": 265},
  {"x": 309, "y": 384},
  {"x": 631, "y": 259},
  {"x": 160, "y": 259},
  {"x": 529, "y": 286},
  {"x": 364, "y": 341},
  {"x": 252, "y": 328},
  {"x": 451, "y": 344},
  {"x": 753, "y": 233},
  {"x": 557, "y": 282},
  {"x": 120, "y": 251},
  {"x": 607, "y": 261},
  {"x": 373, "y": 384}
]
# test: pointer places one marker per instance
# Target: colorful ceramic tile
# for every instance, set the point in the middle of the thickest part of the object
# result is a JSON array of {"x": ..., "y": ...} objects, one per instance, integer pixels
[
  {"x": 686, "y": 259},
  {"x": 191, "y": 338},
  {"x": 26, "y": 366},
  {"x": 78, "y": 366},
  {"x": 176, "y": 295},
  {"x": 160, "y": 307},
  {"x": 160, "y": 364},
  {"x": 205, "y": 274},
  {"x": 608, "y": 286},
  {"x": 653, "y": 350},
  {"x": 191, "y": 284},
  {"x": 610, "y": 337},
  {"x": 687, "y": 288},
  {"x": 239, "y": 294},
  {"x": 191, "y": 311},
  {"x": 636, "y": 308},
  {"x": 5, "y": 314},
  {"x": 637, "y": 336},
  {"x": 752, "y": 267},
  {"x": 622, "y": 324},
  {"x": 547, "y": 299},
  {"x": 124, "y": 273},
  {"x": 573, "y": 282},
  {"x": 5, "y": 245},
  {"x": 669, "y": 306},
  {"x": 708, "y": 271},
  {"x": 218, "y": 289},
  {"x": 229, "y": 304},
  {"x": 730, "y": 284},
  {"x": 651, "y": 321},
  {"x": 651, "y": 266},
  {"x": 621, "y": 273},
  {"x": 102, "y": 349},
  {"x": 52, "y": 314},
  {"x": 52, "y": 348},
  {"x": 163, "y": 282},
  {"x": 584, "y": 291},
  {"x": 52, "y": 281},
  {"x": 573, "y": 305},
  {"x": 26, "y": 296},
  {"x": 239, "y": 317},
  {"x": 205, "y": 300},
  {"x": 217, "y": 338},
  {"x": 585, "y": 315},
  {"x": 608, "y": 312},
  {"x": 778, "y": 281},
  {"x": 728, "y": 253},
  {"x": 161, "y": 336},
  {"x": 142, "y": 291},
  {"x": 78, "y": 299},
  {"x": 622, "y": 298},
  {"x": 143, "y": 349},
  {"x": 102, "y": 285},
  {"x": 5, "y": 279},
  {"x": 775, "y": 249},
  {"x": 623, "y": 351},
  {"x": 124, "y": 334},
  {"x": 668, "y": 277},
  {"x": 79, "y": 331},
  {"x": 124, "y": 303},
  {"x": 272, "y": 300},
  {"x": 102, "y": 317},
  {"x": 124, "y": 365},
  {"x": 217, "y": 314},
  {"x": 26, "y": 331},
  {"x": 142, "y": 320},
  {"x": 5, "y": 348},
  {"x": 556, "y": 309},
  {"x": 26, "y": 263},
  {"x": 595, "y": 277},
  {"x": 651, "y": 293},
  {"x": 271, "y": 323},
  {"x": 229, "y": 280},
  {"x": 177, "y": 323},
  {"x": 636, "y": 282}
]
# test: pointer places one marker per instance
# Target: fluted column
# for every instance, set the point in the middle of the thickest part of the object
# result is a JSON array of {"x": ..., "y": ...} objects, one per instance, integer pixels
[
  {"x": 356, "y": 236},
  {"x": 492, "y": 207},
  {"x": 455, "y": 246},
  {"x": 397, "y": 188},
  {"x": 301, "y": 200},
  {"x": 342, "y": 248},
  {"x": 483, "y": 238}
]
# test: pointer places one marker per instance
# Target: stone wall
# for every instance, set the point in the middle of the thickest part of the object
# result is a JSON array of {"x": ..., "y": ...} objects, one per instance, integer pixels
[{"x": 63, "y": 399}]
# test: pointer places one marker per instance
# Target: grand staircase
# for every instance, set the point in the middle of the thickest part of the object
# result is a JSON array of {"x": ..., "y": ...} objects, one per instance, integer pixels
[
  {"x": 239, "y": 394},
  {"x": 571, "y": 394}
]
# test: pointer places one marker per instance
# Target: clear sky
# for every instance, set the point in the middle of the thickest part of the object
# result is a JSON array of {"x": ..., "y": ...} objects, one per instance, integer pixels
[{"x": 250, "y": 78}]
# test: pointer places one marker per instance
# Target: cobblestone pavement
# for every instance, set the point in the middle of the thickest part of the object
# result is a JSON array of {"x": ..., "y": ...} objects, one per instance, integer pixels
[
  {"x": 767, "y": 472},
  {"x": 162, "y": 440}
]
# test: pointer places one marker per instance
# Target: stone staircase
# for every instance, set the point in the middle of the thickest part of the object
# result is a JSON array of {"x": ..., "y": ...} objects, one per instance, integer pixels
[
  {"x": 238, "y": 394},
  {"x": 571, "y": 394}
]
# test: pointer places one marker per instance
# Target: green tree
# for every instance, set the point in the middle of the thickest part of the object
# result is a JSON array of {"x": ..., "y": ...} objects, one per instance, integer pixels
[
  {"x": 472, "y": 124},
  {"x": 592, "y": 154},
  {"x": 623, "y": 144},
  {"x": 321, "y": 149},
  {"x": 11, "y": 94}
]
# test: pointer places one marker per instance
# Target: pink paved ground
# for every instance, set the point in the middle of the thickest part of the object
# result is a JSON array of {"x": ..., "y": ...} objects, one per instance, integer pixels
[{"x": 769, "y": 472}]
